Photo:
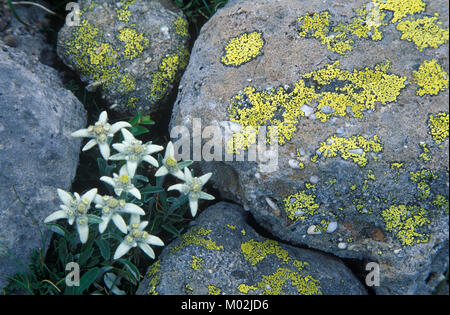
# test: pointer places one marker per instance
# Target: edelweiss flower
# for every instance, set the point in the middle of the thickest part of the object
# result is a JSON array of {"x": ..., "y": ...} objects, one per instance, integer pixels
[
  {"x": 133, "y": 151},
  {"x": 112, "y": 208},
  {"x": 74, "y": 208},
  {"x": 193, "y": 188},
  {"x": 122, "y": 182},
  {"x": 170, "y": 164},
  {"x": 100, "y": 133},
  {"x": 138, "y": 237}
]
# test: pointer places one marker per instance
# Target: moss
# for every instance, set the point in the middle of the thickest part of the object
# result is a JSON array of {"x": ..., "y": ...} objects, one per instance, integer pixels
[
  {"x": 134, "y": 42},
  {"x": 154, "y": 274},
  {"x": 255, "y": 251},
  {"x": 212, "y": 290},
  {"x": 431, "y": 78},
  {"x": 354, "y": 148},
  {"x": 340, "y": 37},
  {"x": 300, "y": 205},
  {"x": 197, "y": 263},
  {"x": 196, "y": 237},
  {"x": 243, "y": 49},
  {"x": 181, "y": 26},
  {"x": 424, "y": 32},
  {"x": 273, "y": 284},
  {"x": 438, "y": 125},
  {"x": 405, "y": 222},
  {"x": 339, "y": 93},
  {"x": 401, "y": 8}
]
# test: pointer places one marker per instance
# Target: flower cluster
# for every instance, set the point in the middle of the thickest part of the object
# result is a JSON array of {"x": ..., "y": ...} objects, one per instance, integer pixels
[{"x": 126, "y": 199}]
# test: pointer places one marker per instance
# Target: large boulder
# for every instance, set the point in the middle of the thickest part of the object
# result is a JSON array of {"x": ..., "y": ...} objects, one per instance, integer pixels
[
  {"x": 37, "y": 153},
  {"x": 135, "y": 50},
  {"x": 222, "y": 254},
  {"x": 359, "y": 94}
]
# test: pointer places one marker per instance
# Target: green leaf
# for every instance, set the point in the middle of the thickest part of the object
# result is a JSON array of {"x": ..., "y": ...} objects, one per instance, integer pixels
[
  {"x": 93, "y": 219},
  {"x": 105, "y": 249},
  {"x": 138, "y": 130},
  {"x": 141, "y": 178},
  {"x": 147, "y": 121},
  {"x": 86, "y": 280},
  {"x": 131, "y": 268},
  {"x": 151, "y": 190},
  {"x": 104, "y": 168},
  {"x": 57, "y": 229},
  {"x": 136, "y": 119},
  {"x": 171, "y": 229},
  {"x": 184, "y": 164}
]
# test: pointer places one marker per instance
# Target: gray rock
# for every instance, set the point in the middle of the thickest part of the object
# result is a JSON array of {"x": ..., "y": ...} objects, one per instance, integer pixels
[
  {"x": 37, "y": 153},
  {"x": 384, "y": 177},
  {"x": 134, "y": 50},
  {"x": 222, "y": 254},
  {"x": 30, "y": 40}
]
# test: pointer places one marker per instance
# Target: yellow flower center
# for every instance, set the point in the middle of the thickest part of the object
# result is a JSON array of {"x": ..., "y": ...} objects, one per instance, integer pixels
[
  {"x": 81, "y": 208},
  {"x": 135, "y": 225},
  {"x": 171, "y": 162},
  {"x": 136, "y": 233},
  {"x": 105, "y": 210},
  {"x": 98, "y": 130},
  {"x": 112, "y": 203},
  {"x": 124, "y": 179},
  {"x": 138, "y": 149},
  {"x": 129, "y": 239},
  {"x": 196, "y": 187},
  {"x": 122, "y": 202},
  {"x": 82, "y": 221},
  {"x": 85, "y": 201}
]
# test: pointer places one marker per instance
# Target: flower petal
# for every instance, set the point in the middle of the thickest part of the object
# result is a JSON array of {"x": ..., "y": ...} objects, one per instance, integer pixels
[
  {"x": 169, "y": 151},
  {"x": 162, "y": 171},
  {"x": 151, "y": 160},
  {"x": 120, "y": 147},
  {"x": 193, "y": 204},
  {"x": 120, "y": 223},
  {"x": 143, "y": 225},
  {"x": 206, "y": 196},
  {"x": 65, "y": 196},
  {"x": 103, "y": 118},
  {"x": 135, "y": 219},
  {"x": 154, "y": 240},
  {"x": 60, "y": 214},
  {"x": 147, "y": 249},
  {"x": 123, "y": 248},
  {"x": 117, "y": 157},
  {"x": 205, "y": 178},
  {"x": 180, "y": 187},
  {"x": 83, "y": 232},
  {"x": 178, "y": 174},
  {"x": 104, "y": 150},
  {"x": 104, "y": 224},
  {"x": 153, "y": 148},
  {"x": 90, "y": 195},
  {"x": 82, "y": 133},
  {"x": 107, "y": 180},
  {"x": 117, "y": 126},
  {"x": 135, "y": 192},
  {"x": 89, "y": 145},
  {"x": 133, "y": 209},
  {"x": 127, "y": 136},
  {"x": 132, "y": 166}
]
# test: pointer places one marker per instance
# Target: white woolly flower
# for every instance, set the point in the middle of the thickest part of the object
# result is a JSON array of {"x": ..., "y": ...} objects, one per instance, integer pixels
[
  {"x": 100, "y": 133},
  {"x": 121, "y": 183},
  {"x": 137, "y": 237},
  {"x": 112, "y": 209},
  {"x": 192, "y": 187},
  {"x": 74, "y": 209},
  {"x": 134, "y": 152},
  {"x": 170, "y": 164}
]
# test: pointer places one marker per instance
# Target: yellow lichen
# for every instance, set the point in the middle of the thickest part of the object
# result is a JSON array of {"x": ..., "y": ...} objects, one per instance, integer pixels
[
  {"x": 232, "y": 227},
  {"x": 300, "y": 205},
  {"x": 154, "y": 275},
  {"x": 181, "y": 26},
  {"x": 242, "y": 49},
  {"x": 273, "y": 284},
  {"x": 338, "y": 92},
  {"x": 212, "y": 290},
  {"x": 424, "y": 32},
  {"x": 438, "y": 125},
  {"x": 431, "y": 78},
  {"x": 243, "y": 288},
  {"x": 134, "y": 42},
  {"x": 405, "y": 222},
  {"x": 354, "y": 148},
  {"x": 194, "y": 237},
  {"x": 123, "y": 13},
  {"x": 197, "y": 263},
  {"x": 442, "y": 203},
  {"x": 255, "y": 251},
  {"x": 423, "y": 180},
  {"x": 401, "y": 8},
  {"x": 425, "y": 155}
]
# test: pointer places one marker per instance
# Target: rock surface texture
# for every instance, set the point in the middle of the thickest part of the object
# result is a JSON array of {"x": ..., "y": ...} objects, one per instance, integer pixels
[
  {"x": 37, "y": 153},
  {"x": 222, "y": 254},
  {"x": 134, "y": 50},
  {"x": 358, "y": 91}
]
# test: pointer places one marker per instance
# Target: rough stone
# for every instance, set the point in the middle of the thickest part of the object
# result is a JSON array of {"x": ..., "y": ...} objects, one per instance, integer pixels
[
  {"x": 381, "y": 154},
  {"x": 37, "y": 153},
  {"x": 134, "y": 50},
  {"x": 222, "y": 254}
]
